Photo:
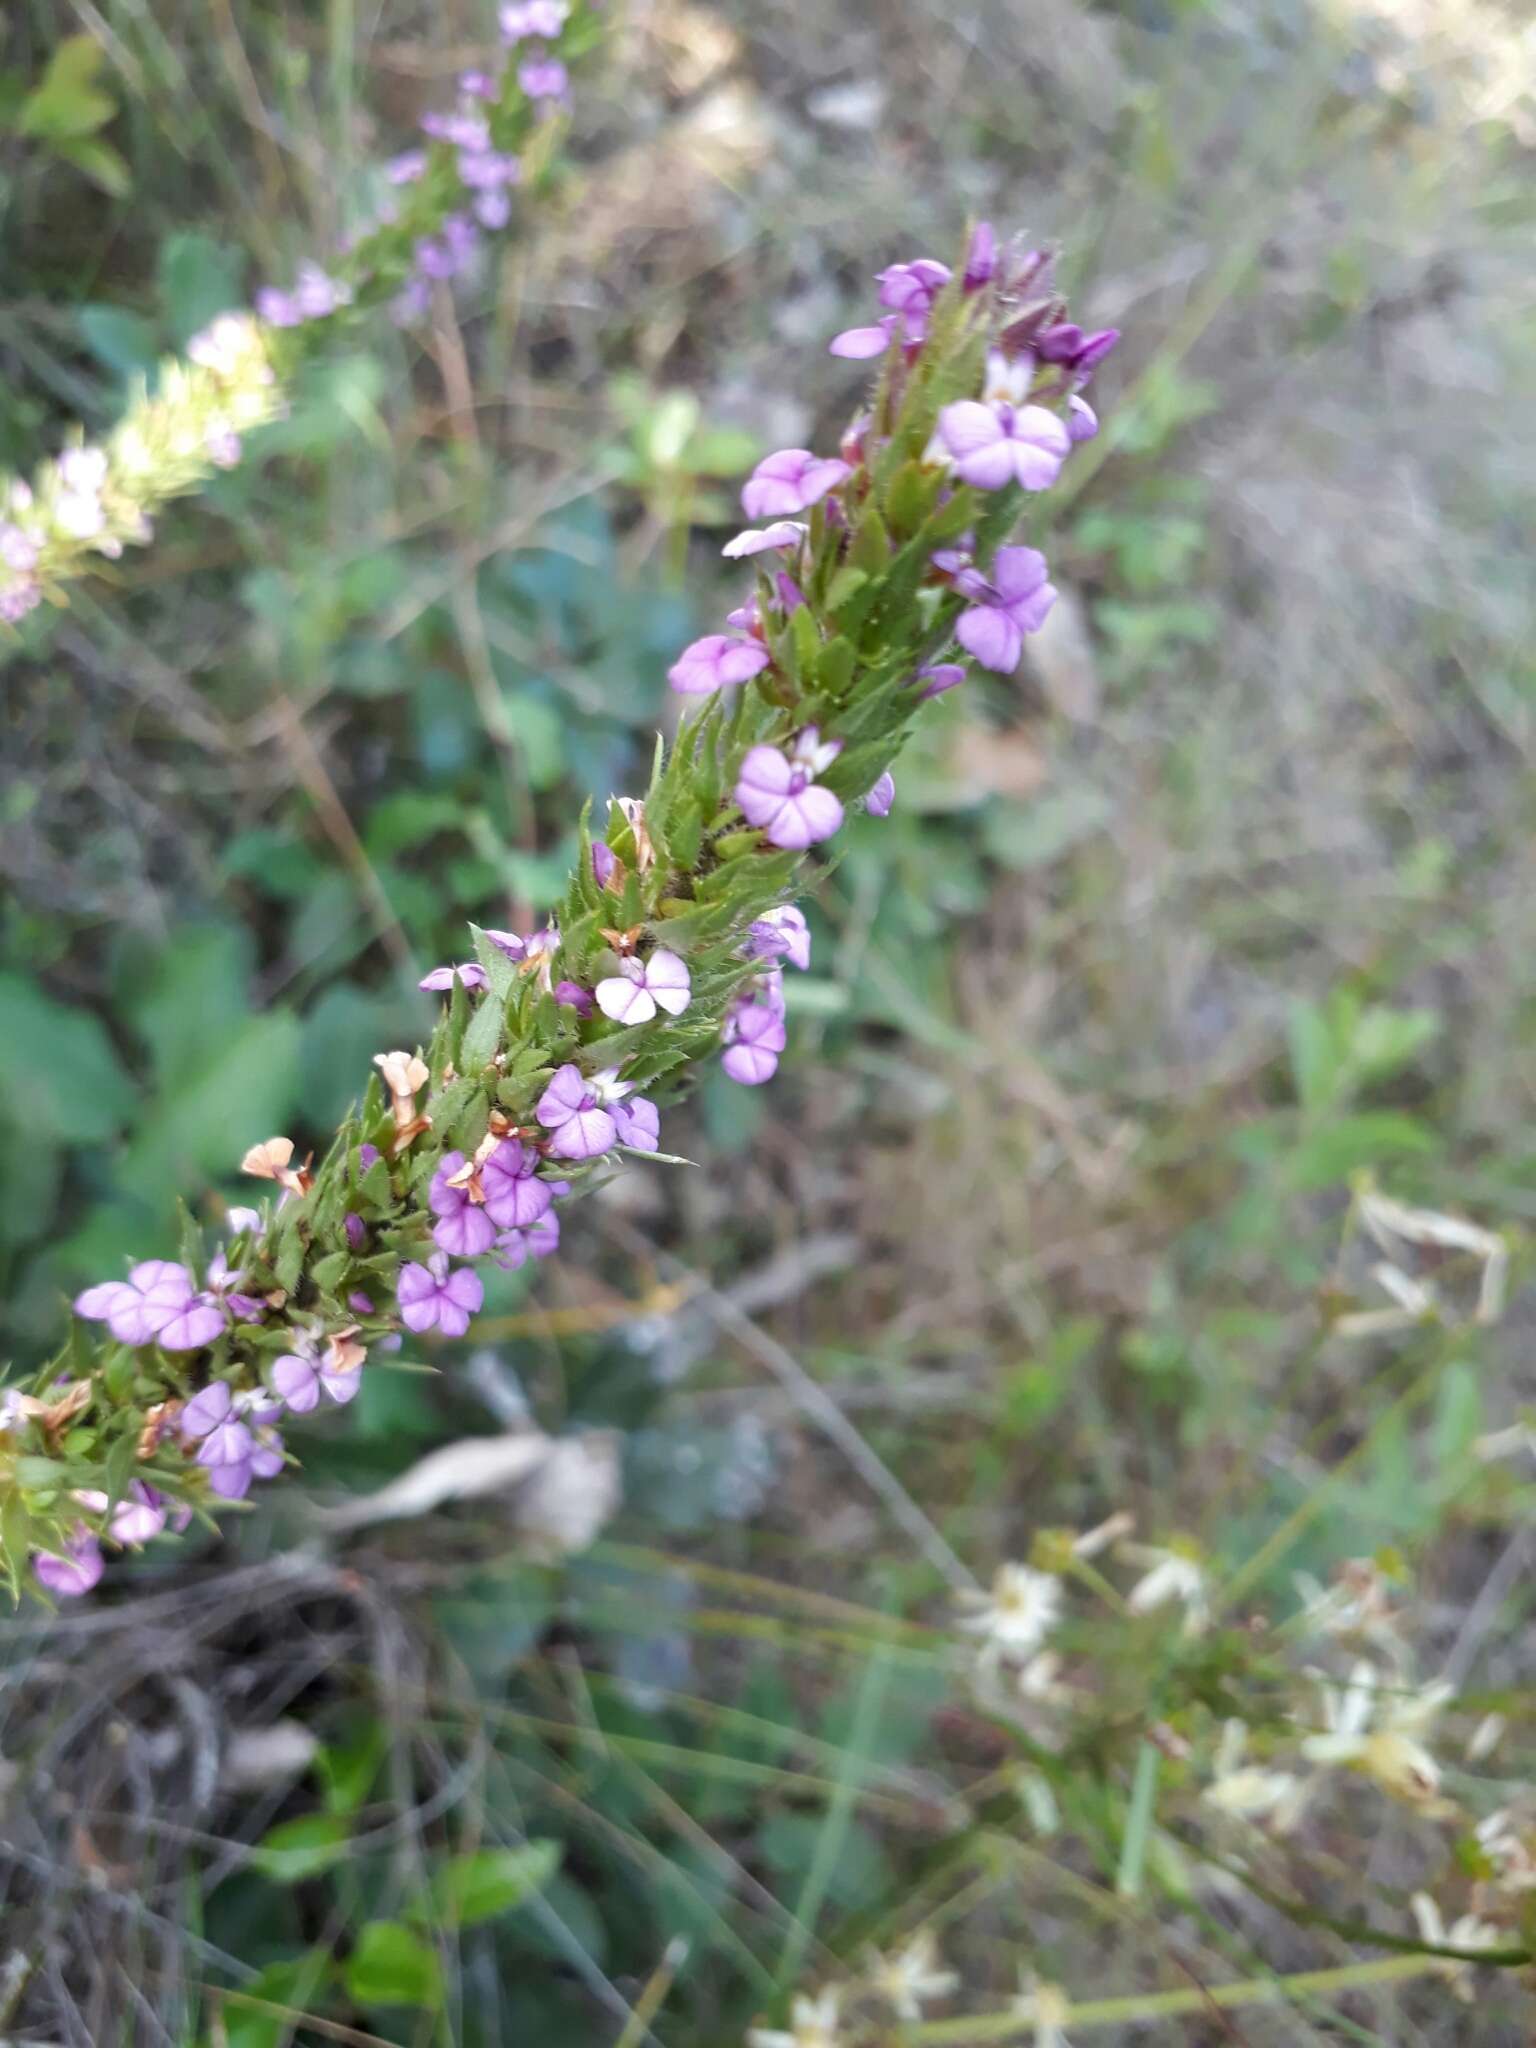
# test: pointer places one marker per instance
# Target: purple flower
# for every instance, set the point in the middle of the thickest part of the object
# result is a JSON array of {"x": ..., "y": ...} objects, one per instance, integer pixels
[
  {"x": 860, "y": 344},
  {"x": 715, "y": 663},
  {"x": 493, "y": 209},
  {"x": 487, "y": 170},
  {"x": 544, "y": 78},
  {"x": 910, "y": 289},
  {"x": 463, "y": 1228},
  {"x": 356, "y": 1229},
  {"x": 530, "y": 1241},
  {"x": 790, "y": 481},
  {"x": 211, "y": 1419},
  {"x": 278, "y": 309},
  {"x": 572, "y": 996},
  {"x": 157, "y": 1302},
  {"x": 939, "y": 676},
  {"x": 1082, "y": 420},
  {"x": 367, "y": 1156},
  {"x": 1014, "y": 603},
  {"x": 1080, "y": 354},
  {"x": 138, "y": 1516},
  {"x": 533, "y": 18},
  {"x": 781, "y": 934},
  {"x": 514, "y": 1195},
  {"x": 605, "y": 863},
  {"x": 638, "y": 1124},
  {"x": 470, "y": 972},
  {"x": 301, "y": 1379},
  {"x": 754, "y": 1038},
  {"x": 406, "y": 168},
  {"x": 757, "y": 540},
  {"x": 980, "y": 258},
  {"x": 569, "y": 1110},
  {"x": 465, "y": 129},
  {"x": 479, "y": 85},
  {"x": 432, "y": 1297},
  {"x": 641, "y": 988},
  {"x": 882, "y": 796},
  {"x": 1001, "y": 440},
  {"x": 360, "y": 1304},
  {"x": 781, "y": 794},
  {"x": 73, "y": 1572},
  {"x": 508, "y": 943}
]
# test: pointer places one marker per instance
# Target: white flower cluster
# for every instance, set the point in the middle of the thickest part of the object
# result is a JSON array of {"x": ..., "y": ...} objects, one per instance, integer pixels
[{"x": 99, "y": 499}]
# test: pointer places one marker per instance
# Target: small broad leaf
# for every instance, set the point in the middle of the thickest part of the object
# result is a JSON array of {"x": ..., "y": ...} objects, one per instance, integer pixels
[
  {"x": 478, "y": 1887},
  {"x": 392, "y": 1966},
  {"x": 302, "y": 1848},
  {"x": 68, "y": 102}
]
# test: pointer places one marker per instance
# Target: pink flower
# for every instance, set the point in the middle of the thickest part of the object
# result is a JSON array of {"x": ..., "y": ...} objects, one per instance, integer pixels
[
  {"x": 531, "y": 1241},
  {"x": 641, "y": 988},
  {"x": 780, "y": 934},
  {"x": 638, "y": 1124},
  {"x": 757, "y": 540},
  {"x": 514, "y": 1195},
  {"x": 533, "y": 18},
  {"x": 1015, "y": 602},
  {"x": 1000, "y": 439},
  {"x": 462, "y": 1228},
  {"x": 715, "y": 663},
  {"x": 156, "y": 1303},
  {"x": 470, "y": 972},
  {"x": 790, "y": 481},
  {"x": 76, "y": 1570},
  {"x": 301, "y": 1379},
  {"x": 432, "y": 1297},
  {"x": 781, "y": 794},
  {"x": 569, "y": 1110},
  {"x": 754, "y": 1034}
]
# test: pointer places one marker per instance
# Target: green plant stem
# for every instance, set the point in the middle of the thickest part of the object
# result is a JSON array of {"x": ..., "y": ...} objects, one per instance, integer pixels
[{"x": 1157, "y": 2005}]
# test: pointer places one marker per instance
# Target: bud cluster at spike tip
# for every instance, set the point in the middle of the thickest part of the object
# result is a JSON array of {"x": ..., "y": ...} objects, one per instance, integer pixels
[
  {"x": 877, "y": 574},
  {"x": 442, "y": 199}
]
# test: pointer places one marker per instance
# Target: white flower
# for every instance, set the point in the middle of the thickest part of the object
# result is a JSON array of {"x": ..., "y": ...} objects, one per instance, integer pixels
[
  {"x": 813, "y": 2023},
  {"x": 1511, "y": 1852},
  {"x": 1248, "y": 1792},
  {"x": 1379, "y": 1734},
  {"x": 1048, "y": 2006},
  {"x": 1467, "y": 1932},
  {"x": 1171, "y": 1573},
  {"x": 909, "y": 1975},
  {"x": 1019, "y": 1614}
]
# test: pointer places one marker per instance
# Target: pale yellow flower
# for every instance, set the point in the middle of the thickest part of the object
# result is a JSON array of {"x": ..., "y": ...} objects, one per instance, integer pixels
[{"x": 909, "y": 1975}]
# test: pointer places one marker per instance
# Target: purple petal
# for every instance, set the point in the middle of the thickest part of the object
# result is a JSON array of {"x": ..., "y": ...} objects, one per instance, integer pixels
[
  {"x": 74, "y": 1573},
  {"x": 758, "y": 540},
  {"x": 860, "y": 344},
  {"x": 668, "y": 979},
  {"x": 625, "y": 997},
  {"x": 882, "y": 796},
  {"x": 638, "y": 1124},
  {"x": 990, "y": 634},
  {"x": 586, "y": 1134},
  {"x": 763, "y": 783},
  {"x": 298, "y": 1382},
  {"x": 815, "y": 814},
  {"x": 750, "y": 1065},
  {"x": 200, "y": 1322},
  {"x": 205, "y": 1411},
  {"x": 716, "y": 662},
  {"x": 465, "y": 1234},
  {"x": 940, "y": 676},
  {"x": 789, "y": 481}
]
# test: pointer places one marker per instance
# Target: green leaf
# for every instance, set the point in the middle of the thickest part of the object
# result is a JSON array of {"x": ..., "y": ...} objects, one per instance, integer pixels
[
  {"x": 1347, "y": 1143},
  {"x": 241, "y": 1093},
  {"x": 61, "y": 1077},
  {"x": 347, "y": 1769},
  {"x": 392, "y": 1966},
  {"x": 301, "y": 1848},
  {"x": 478, "y": 1887},
  {"x": 198, "y": 278},
  {"x": 484, "y": 1035},
  {"x": 124, "y": 342},
  {"x": 68, "y": 102},
  {"x": 288, "y": 1986},
  {"x": 99, "y": 161},
  {"x": 1315, "y": 1056}
]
